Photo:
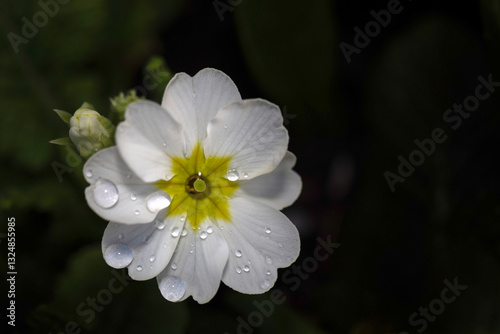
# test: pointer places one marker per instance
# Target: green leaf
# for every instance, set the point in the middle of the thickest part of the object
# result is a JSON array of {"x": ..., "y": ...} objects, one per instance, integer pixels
[
  {"x": 64, "y": 115},
  {"x": 65, "y": 141}
]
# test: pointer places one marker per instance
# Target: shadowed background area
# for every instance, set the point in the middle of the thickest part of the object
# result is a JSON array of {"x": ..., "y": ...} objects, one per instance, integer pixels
[{"x": 418, "y": 224}]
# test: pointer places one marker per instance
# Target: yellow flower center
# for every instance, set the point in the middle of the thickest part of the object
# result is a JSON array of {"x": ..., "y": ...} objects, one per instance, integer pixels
[{"x": 200, "y": 188}]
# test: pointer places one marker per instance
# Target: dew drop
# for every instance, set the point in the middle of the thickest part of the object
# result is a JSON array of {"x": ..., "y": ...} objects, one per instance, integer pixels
[
  {"x": 184, "y": 232},
  {"x": 139, "y": 268},
  {"x": 225, "y": 126},
  {"x": 183, "y": 219},
  {"x": 147, "y": 239},
  {"x": 157, "y": 201},
  {"x": 269, "y": 260},
  {"x": 173, "y": 266},
  {"x": 203, "y": 235},
  {"x": 121, "y": 236},
  {"x": 246, "y": 268},
  {"x": 238, "y": 270},
  {"x": 245, "y": 176},
  {"x": 172, "y": 288},
  {"x": 210, "y": 229},
  {"x": 268, "y": 273},
  {"x": 118, "y": 256},
  {"x": 160, "y": 224},
  {"x": 265, "y": 284},
  {"x": 133, "y": 197},
  {"x": 191, "y": 251},
  {"x": 237, "y": 253},
  {"x": 105, "y": 193},
  {"x": 233, "y": 175},
  {"x": 175, "y": 232},
  {"x": 89, "y": 173},
  {"x": 268, "y": 230},
  {"x": 164, "y": 144},
  {"x": 152, "y": 258}
]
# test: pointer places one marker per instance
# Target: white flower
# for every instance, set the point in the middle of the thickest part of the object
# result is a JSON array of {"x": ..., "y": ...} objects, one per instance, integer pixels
[{"x": 193, "y": 188}]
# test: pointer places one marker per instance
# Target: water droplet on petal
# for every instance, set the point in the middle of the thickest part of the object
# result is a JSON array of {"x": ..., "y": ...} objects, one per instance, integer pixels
[
  {"x": 183, "y": 219},
  {"x": 210, "y": 229},
  {"x": 225, "y": 126},
  {"x": 268, "y": 273},
  {"x": 268, "y": 230},
  {"x": 203, "y": 235},
  {"x": 118, "y": 256},
  {"x": 152, "y": 258},
  {"x": 175, "y": 232},
  {"x": 237, "y": 253},
  {"x": 89, "y": 173},
  {"x": 157, "y": 201},
  {"x": 105, "y": 193},
  {"x": 233, "y": 175},
  {"x": 246, "y": 268},
  {"x": 136, "y": 212},
  {"x": 121, "y": 236},
  {"x": 238, "y": 270},
  {"x": 147, "y": 239},
  {"x": 160, "y": 224},
  {"x": 133, "y": 197},
  {"x": 184, "y": 232},
  {"x": 245, "y": 176},
  {"x": 281, "y": 245},
  {"x": 269, "y": 260},
  {"x": 139, "y": 268},
  {"x": 173, "y": 266},
  {"x": 191, "y": 251},
  {"x": 172, "y": 288},
  {"x": 265, "y": 284},
  {"x": 164, "y": 144},
  {"x": 129, "y": 176}
]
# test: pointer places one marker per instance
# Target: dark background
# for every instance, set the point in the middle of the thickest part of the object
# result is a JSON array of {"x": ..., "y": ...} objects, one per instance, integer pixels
[{"x": 348, "y": 123}]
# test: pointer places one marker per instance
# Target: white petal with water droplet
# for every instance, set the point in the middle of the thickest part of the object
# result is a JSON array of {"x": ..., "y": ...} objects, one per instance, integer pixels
[
  {"x": 260, "y": 253},
  {"x": 108, "y": 165},
  {"x": 157, "y": 201},
  {"x": 202, "y": 268},
  {"x": 140, "y": 140},
  {"x": 278, "y": 189},
  {"x": 118, "y": 256},
  {"x": 255, "y": 138},
  {"x": 212, "y": 90},
  {"x": 172, "y": 288},
  {"x": 152, "y": 247}
]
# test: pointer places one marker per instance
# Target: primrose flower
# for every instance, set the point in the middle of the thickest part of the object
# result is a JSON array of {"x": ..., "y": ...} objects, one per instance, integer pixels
[{"x": 193, "y": 190}]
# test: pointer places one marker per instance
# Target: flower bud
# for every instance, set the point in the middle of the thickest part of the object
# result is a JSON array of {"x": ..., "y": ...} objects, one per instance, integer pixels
[{"x": 90, "y": 131}]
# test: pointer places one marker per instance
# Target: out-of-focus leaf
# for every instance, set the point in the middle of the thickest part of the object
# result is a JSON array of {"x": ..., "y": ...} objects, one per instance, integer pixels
[
  {"x": 96, "y": 296},
  {"x": 289, "y": 46}
]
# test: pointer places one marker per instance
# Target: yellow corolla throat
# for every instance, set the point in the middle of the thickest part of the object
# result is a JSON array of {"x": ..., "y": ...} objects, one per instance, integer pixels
[{"x": 200, "y": 188}]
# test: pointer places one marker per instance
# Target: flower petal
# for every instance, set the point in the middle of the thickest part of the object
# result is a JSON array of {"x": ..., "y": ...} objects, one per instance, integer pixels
[
  {"x": 278, "y": 189},
  {"x": 152, "y": 245},
  {"x": 260, "y": 239},
  {"x": 252, "y": 133},
  {"x": 194, "y": 101},
  {"x": 132, "y": 192},
  {"x": 199, "y": 263},
  {"x": 147, "y": 139}
]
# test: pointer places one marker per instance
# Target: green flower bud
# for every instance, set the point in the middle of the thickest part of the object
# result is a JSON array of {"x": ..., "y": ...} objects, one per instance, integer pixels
[
  {"x": 90, "y": 131},
  {"x": 120, "y": 102}
]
